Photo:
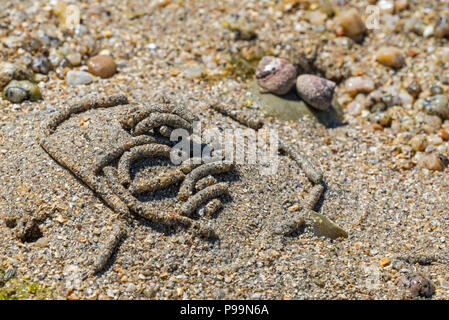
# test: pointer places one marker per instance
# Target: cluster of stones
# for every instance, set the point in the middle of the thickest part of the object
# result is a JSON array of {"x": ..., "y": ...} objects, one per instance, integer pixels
[
  {"x": 43, "y": 55},
  {"x": 279, "y": 76}
]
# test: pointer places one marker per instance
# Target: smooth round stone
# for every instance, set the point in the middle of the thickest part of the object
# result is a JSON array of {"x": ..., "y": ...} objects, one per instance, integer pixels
[
  {"x": 75, "y": 78},
  {"x": 315, "y": 91},
  {"x": 41, "y": 64},
  {"x": 102, "y": 66},
  {"x": 19, "y": 91},
  {"x": 390, "y": 57},
  {"x": 437, "y": 105},
  {"x": 275, "y": 75}
]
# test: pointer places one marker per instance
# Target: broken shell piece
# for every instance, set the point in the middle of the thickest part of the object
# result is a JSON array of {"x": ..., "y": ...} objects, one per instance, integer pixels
[{"x": 325, "y": 227}]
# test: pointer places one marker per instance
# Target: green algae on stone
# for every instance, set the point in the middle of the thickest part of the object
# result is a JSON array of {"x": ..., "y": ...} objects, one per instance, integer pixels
[
  {"x": 19, "y": 91},
  {"x": 21, "y": 289},
  {"x": 290, "y": 108},
  {"x": 325, "y": 227}
]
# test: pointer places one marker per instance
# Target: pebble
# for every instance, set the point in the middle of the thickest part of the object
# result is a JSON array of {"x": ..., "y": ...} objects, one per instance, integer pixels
[
  {"x": 19, "y": 91},
  {"x": 41, "y": 64},
  {"x": 418, "y": 285},
  {"x": 315, "y": 91},
  {"x": 391, "y": 100},
  {"x": 382, "y": 118},
  {"x": 10, "y": 71},
  {"x": 428, "y": 31},
  {"x": 355, "y": 108},
  {"x": 55, "y": 58},
  {"x": 437, "y": 105},
  {"x": 436, "y": 90},
  {"x": 434, "y": 140},
  {"x": 352, "y": 24},
  {"x": 9, "y": 274},
  {"x": 386, "y": 6},
  {"x": 316, "y": 17},
  {"x": 192, "y": 71},
  {"x": 75, "y": 78},
  {"x": 384, "y": 262},
  {"x": 131, "y": 287},
  {"x": 356, "y": 85},
  {"x": 443, "y": 134},
  {"x": 49, "y": 41},
  {"x": 151, "y": 46},
  {"x": 102, "y": 66},
  {"x": 414, "y": 89},
  {"x": 431, "y": 161},
  {"x": 74, "y": 58},
  {"x": 275, "y": 75},
  {"x": 65, "y": 63},
  {"x": 390, "y": 57},
  {"x": 442, "y": 27},
  {"x": 41, "y": 242},
  {"x": 418, "y": 142}
]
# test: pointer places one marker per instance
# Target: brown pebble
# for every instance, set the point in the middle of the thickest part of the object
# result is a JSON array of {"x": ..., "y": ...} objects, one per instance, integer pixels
[
  {"x": 352, "y": 24},
  {"x": 390, "y": 57},
  {"x": 315, "y": 91},
  {"x": 102, "y": 66},
  {"x": 275, "y": 75},
  {"x": 443, "y": 134}
]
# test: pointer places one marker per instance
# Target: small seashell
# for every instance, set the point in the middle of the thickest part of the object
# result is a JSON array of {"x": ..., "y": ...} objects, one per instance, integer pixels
[{"x": 276, "y": 75}]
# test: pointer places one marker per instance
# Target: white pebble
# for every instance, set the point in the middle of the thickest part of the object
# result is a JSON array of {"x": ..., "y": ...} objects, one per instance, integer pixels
[{"x": 75, "y": 78}]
